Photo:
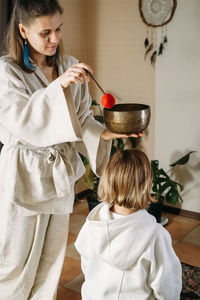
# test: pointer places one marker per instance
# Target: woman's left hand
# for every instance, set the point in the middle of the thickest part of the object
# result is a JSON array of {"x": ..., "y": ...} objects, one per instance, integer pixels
[{"x": 108, "y": 135}]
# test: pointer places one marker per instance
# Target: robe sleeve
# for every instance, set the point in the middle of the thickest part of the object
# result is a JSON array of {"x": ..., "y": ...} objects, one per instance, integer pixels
[
  {"x": 92, "y": 146},
  {"x": 166, "y": 273},
  {"x": 43, "y": 119}
]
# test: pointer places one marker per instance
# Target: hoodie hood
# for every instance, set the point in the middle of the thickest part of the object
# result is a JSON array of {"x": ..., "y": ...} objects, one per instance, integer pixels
[{"x": 106, "y": 236}]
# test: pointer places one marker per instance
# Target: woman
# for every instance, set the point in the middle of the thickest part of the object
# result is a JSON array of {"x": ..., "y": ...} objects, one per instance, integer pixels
[{"x": 44, "y": 120}]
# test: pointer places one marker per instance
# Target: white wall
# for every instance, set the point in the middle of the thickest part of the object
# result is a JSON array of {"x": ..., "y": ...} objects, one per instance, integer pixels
[{"x": 177, "y": 124}]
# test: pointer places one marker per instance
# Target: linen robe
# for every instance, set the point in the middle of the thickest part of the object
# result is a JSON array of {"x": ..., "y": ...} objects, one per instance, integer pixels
[{"x": 42, "y": 128}]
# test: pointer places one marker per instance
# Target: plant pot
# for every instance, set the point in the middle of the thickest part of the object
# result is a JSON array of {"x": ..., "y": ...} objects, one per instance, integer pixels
[
  {"x": 155, "y": 209},
  {"x": 92, "y": 202}
]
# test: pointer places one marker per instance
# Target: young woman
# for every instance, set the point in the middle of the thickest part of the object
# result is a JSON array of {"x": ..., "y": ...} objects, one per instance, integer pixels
[
  {"x": 44, "y": 120},
  {"x": 125, "y": 254}
]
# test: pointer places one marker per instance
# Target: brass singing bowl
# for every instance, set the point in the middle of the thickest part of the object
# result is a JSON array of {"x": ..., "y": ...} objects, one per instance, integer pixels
[{"x": 127, "y": 118}]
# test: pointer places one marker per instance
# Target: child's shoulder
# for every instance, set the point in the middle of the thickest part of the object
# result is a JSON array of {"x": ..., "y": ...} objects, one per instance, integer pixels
[{"x": 162, "y": 234}]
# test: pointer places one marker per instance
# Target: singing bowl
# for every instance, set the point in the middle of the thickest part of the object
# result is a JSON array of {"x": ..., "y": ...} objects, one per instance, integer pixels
[{"x": 127, "y": 118}]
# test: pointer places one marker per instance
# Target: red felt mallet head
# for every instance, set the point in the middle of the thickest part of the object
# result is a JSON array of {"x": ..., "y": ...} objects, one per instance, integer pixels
[{"x": 108, "y": 100}]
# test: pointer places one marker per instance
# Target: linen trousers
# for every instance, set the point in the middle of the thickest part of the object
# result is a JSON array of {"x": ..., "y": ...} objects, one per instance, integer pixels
[{"x": 32, "y": 252}]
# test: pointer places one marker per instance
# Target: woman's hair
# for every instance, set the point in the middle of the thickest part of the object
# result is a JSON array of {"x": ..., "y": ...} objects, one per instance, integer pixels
[
  {"x": 127, "y": 180},
  {"x": 25, "y": 12}
]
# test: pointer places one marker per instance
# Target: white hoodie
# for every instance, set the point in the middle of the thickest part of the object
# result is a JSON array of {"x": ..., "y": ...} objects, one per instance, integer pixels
[{"x": 129, "y": 258}]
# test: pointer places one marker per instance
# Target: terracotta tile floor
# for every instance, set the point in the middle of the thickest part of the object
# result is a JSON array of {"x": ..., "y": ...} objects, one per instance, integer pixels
[{"x": 185, "y": 233}]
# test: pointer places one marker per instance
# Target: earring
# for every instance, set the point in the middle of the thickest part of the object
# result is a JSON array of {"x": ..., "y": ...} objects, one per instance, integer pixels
[{"x": 26, "y": 56}]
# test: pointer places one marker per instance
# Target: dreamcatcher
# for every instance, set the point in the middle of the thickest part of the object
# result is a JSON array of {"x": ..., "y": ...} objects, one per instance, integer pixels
[{"x": 155, "y": 14}]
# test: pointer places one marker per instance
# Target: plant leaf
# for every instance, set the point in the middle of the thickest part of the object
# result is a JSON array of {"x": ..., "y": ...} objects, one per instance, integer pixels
[
  {"x": 160, "y": 180},
  {"x": 133, "y": 141},
  {"x": 164, "y": 187},
  {"x": 183, "y": 160},
  {"x": 94, "y": 102},
  {"x": 172, "y": 196},
  {"x": 155, "y": 165},
  {"x": 113, "y": 149},
  {"x": 154, "y": 189},
  {"x": 89, "y": 177},
  {"x": 179, "y": 185},
  {"x": 120, "y": 144},
  {"x": 84, "y": 159},
  {"x": 99, "y": 118},
  {"x": 163, "y": 173}
]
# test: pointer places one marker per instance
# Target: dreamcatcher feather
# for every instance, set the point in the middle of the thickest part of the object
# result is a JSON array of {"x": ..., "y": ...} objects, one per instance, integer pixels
[
  {"x": 148, "y": 43},
  {"x": 153, "y": 58},
  {"x": 164, "y": 41},
  {"x": 161, "y": 49},
  {"x": 148, "y": 50}
]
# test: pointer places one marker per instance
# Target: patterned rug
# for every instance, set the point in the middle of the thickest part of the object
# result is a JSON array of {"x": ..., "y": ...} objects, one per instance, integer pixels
[{"x": 191, "y": 282}]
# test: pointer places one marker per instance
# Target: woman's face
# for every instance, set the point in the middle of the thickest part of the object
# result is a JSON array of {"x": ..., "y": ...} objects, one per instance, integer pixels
[{"x": 43, "y": 34}]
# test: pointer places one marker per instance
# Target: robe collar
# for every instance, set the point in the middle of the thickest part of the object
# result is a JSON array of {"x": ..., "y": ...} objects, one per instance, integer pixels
[{"x": 41, "y": 75}]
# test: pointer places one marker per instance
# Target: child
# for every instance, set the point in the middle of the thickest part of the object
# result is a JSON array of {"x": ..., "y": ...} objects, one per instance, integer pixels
[{"x": 125, "y": 254}]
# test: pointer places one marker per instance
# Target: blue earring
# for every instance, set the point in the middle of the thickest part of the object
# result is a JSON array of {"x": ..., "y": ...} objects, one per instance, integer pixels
[{"x": 26, "y": 56}]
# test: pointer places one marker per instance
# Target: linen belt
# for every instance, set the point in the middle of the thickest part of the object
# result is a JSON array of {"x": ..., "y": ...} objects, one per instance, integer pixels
[{"x": 59, "y": 169}]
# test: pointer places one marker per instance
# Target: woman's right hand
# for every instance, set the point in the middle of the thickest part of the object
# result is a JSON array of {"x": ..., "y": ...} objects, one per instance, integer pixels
[{"x": 75, "y": 74}]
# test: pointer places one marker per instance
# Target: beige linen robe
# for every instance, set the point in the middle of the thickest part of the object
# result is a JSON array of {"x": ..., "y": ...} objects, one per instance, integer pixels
[{"x": 42, "y": 127}]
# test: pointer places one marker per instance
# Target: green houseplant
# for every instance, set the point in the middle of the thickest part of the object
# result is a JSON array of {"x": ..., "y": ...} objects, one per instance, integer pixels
[{"x": 165, "y": 187}]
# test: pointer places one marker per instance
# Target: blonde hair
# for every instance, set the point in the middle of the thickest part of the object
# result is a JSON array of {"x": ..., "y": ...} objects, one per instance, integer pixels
[
  {"x": 127, "y": 180},
  {"x": 25, "y": 11}
]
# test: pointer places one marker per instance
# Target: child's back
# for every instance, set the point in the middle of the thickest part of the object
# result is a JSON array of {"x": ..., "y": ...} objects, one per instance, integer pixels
[
  {"x": 125, "y": 254},
  {"x": 129, "y": 257}
]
